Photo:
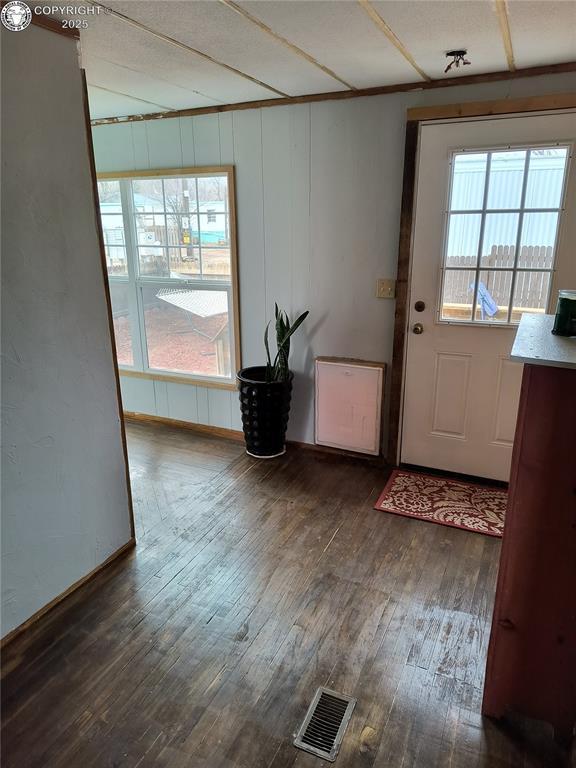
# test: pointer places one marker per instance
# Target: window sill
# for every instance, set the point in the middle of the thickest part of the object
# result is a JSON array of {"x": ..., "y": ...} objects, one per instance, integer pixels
[
  {"x": 477, "y": 324},
  {"x": 191, "y": 380}
]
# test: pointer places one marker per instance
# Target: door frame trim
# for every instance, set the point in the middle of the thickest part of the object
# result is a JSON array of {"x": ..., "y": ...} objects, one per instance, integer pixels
[{"x": 414, "y": 118}]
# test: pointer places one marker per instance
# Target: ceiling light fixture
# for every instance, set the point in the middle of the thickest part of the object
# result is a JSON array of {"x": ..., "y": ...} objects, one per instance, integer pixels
[{"x": 458, "y": 57}]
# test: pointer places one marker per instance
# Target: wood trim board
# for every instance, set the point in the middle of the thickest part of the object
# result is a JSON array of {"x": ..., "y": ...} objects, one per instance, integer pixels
[
  {"x": 496, "y": 107},
  {"x": 402, "y": 276},
  {"x": 198, "y": 170},
  {"x": 204, "y": 429},
  {"x": 351, "y": 361},
  {"x": 420, "y": 85},
  {"x": 29, "y": 623},
  {"x": 392, "y": 37},
  {"x": 235, "y": 276},
  {"x": 238, "y": 436},
  {"x": 504, "y": 23},
  {"x": 281, "y": 39},
  {"x": 182, "y": 46},
  {"x": 328, "y": 450}
]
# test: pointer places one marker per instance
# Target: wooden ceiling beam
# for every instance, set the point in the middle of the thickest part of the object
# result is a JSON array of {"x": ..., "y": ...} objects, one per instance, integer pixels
[
  {"x": 281, "y": 39},
  {"x": 396, "y": 42},
  {"x": 494, "y": 107},
  {"x": 184, "y": 47},
  {"x": 501, "y": 9},
  {"x": 489, "y": 77}
]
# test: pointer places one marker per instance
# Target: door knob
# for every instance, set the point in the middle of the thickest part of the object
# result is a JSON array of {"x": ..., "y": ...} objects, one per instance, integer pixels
[{"x": 417, "y": 328}]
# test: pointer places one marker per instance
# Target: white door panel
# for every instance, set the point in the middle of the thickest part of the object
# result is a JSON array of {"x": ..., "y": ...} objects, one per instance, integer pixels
[{"x": 460, "y": 388}]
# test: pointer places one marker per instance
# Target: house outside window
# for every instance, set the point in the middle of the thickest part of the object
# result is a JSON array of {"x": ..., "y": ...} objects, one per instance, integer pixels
[{"x": 169, "y": 240}]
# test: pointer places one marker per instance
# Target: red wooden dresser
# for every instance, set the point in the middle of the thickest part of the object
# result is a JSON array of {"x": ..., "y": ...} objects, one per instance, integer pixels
[{"x": 531, "y": 666}]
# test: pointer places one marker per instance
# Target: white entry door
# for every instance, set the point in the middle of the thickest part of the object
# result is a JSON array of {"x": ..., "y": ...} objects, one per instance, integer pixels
[{"x": 494, "y": 236}]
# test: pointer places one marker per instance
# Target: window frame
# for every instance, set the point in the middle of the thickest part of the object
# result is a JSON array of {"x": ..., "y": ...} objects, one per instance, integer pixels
[
  {"x": 521, "y": 210},
  {"x": 135, "y": 282}
]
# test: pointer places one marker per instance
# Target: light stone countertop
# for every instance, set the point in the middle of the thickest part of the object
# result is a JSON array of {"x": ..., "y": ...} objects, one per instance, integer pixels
[{"x": 537, "y": 345}]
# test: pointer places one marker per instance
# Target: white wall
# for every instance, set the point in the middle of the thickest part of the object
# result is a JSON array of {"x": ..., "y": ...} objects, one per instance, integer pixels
[
  {"x": 64, "y": 493},
  {"x": 318, "y": 192}
]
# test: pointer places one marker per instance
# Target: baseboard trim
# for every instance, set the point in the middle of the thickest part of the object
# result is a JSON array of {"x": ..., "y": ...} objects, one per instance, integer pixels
[
  {"x": 35, "y": 618},
  {"x": 205, "y": 429},
  {"x": 330, "y": 451},
  {"x": 234, "y": 434}
]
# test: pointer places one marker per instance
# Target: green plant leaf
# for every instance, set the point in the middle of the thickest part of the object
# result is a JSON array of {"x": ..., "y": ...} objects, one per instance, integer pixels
[
  {"x": 279, "y": 369},
  {"x": 294, "y": 327},
  {"x": 298, "y": 322},
  {"x": 267, "y": 346},
  {"x": 280, "y": 326}
]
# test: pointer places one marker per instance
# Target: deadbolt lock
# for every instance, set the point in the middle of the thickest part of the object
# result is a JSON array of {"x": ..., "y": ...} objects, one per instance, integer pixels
[
  {"x": 419, "y": 306},
  {"x": 417, "y": 328}
]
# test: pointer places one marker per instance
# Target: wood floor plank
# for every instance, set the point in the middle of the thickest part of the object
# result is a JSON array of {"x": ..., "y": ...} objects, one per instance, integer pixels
[{"x": 253, "y": 583}]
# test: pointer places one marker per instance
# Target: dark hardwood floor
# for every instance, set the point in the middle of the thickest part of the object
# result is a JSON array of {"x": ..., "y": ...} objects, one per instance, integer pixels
[{"x": 254, "y": 582}]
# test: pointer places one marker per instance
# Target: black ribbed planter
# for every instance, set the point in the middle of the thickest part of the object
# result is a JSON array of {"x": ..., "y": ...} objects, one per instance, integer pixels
[{"x": 265, "y": 409}]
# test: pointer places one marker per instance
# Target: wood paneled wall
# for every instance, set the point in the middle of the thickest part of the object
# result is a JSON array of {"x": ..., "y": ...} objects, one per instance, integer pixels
[{"x": 318, "y": 197}]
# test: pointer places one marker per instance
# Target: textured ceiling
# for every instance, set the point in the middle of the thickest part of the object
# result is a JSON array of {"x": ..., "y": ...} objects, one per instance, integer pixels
[
  {"x": 428, "y": 29},
  {"x": 158, "y": 55},
  {"x": 340, "y": 35}
]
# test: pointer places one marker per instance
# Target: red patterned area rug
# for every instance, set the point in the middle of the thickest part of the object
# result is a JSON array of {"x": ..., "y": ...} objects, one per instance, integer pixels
[{"x": 473, "y": 507}]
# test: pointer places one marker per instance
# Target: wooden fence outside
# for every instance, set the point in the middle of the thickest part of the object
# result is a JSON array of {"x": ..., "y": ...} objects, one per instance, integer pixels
[{"x": 531, "y": 288}]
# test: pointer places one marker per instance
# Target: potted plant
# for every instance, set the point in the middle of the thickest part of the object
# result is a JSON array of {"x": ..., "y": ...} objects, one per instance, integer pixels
[{"x": 266, "y": 391}]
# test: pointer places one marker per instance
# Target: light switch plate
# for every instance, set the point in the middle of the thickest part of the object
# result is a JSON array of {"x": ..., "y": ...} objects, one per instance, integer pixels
[{"x": 385, "y": 289}]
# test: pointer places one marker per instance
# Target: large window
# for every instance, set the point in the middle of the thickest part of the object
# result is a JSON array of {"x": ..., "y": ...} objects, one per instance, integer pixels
[
  {"x": 502, "y": 224},
  {"x": 171, "y": 260}
]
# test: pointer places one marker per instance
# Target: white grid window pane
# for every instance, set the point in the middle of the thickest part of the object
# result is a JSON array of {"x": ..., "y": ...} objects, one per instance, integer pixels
[
  {"x": 109, "y": 196},
  {"x": 185, "y": 262},
  {"x": 539, "y": 229},
  {"x": 463, "y": 239},
  {"x": 187, "y": 330},
  {"x": 493, "y": 296},
  {"x": 499, "y": 241},
  {"x": 546, "y": 177},
  {"x": 151, "y": 229},
  {"x": 530, "y": 293},
  {"x": 148, "y": 195},
  {"x": 468, "y": 181},
  {"x": 114, "y": 239},
  {"x": 119, "y": 292},
  {"x": 213, "y": 194},
  {"x": 153, "y": 262},
  {"x": 458, "y": 295},
  {"x": 169, "y": 250},
  {"x": 506, "y": 179},
  {"x": 180, "y": 196},
  {"x": 510, "y": 235}
]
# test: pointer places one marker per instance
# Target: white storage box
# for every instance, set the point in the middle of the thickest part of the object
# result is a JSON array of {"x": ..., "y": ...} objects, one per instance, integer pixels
[{"x": 349, "y": 404}]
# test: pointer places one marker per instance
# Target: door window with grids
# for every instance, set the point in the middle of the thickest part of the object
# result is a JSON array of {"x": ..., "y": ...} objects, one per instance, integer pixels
[
  {"x": 170, "y": 256},
  {"x": 501, "y": 230}
]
